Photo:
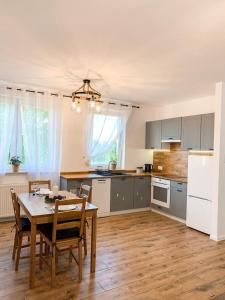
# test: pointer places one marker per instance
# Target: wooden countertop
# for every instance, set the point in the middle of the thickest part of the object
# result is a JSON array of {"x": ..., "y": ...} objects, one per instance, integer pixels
[
  {"x": 86, "y": 175},
  {"x": 80, "y": 176},
  {"x": 169, "y": 177}
]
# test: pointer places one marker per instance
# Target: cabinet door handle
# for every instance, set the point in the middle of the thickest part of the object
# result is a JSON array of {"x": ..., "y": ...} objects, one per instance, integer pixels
[
  {"x": 137, "y": 193},
  {"x": 179, "y": 190},
  {"x": 117, "y": 195},
  {"x": 189, "y": 148},
  {"x": 123, "y": 198}
]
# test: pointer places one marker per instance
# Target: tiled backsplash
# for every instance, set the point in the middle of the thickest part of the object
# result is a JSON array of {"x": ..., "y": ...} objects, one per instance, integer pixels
[{"x": 173, "y": 161}]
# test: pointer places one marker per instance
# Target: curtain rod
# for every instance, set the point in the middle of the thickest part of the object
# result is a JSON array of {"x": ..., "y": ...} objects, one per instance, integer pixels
[{"x": 68, "y": 96}]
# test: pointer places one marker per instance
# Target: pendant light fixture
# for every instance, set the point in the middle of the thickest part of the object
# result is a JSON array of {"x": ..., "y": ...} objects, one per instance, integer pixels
[{"x": 86, "y": 92}]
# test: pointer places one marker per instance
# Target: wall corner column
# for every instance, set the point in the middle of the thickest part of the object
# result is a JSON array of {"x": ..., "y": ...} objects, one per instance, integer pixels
[{"x": 218, "y": 203}]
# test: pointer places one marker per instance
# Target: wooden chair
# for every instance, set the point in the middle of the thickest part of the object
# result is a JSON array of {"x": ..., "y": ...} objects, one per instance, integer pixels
[
  {"x": 66, "y": 233},
  {"x": 22, "y": 229},
  {"x": 85, "y": 192},
  {"x": 38, "y": 184}
]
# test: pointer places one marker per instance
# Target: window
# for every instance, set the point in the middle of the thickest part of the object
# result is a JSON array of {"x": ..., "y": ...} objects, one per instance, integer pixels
[
  {"x": 106, "y": 140},
  {"x": 19, "y": 142},
  {"x": 40, "y": 131},
  {"x": 30, "y": 127}
]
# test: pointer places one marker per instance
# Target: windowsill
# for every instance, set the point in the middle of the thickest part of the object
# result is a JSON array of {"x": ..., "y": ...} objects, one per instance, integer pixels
[{"x": 16, "y": 173}]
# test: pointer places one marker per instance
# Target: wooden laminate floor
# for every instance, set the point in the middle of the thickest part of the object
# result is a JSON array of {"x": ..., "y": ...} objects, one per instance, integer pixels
[{"x": 139, "y": 256}]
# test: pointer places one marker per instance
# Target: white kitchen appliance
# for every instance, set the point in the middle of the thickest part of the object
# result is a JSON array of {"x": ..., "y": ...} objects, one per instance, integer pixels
[
  {"x": 101, "y": 195},
  {"x": 200, "y": 192},
  {"x": 160, "y": 191}
]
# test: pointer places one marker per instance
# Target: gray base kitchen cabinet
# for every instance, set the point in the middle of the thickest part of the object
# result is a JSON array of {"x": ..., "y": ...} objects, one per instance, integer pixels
[
  {"x": 178, "y": 199},
  {"x": 121, "y": 194},
  {"x": 142, "y": 192}
]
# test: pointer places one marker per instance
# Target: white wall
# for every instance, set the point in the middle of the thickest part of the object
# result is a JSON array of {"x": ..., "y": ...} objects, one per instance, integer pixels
[
  {"x": 187, "y": 108},
  {"x": 136, "y": 154},
  {"x": 73, "y": 140},
  {"x": 73, "y": 150}
]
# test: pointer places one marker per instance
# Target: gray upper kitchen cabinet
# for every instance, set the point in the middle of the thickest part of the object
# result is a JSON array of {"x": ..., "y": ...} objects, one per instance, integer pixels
[
  {"x": 191, "y": 133},
  {"x": 153, "y": 135},
  {"x": 207, "y": 132},
  {"x": 171, "y": 129},
  {"x": 121, "y": 194},
  {"x": 178, "y": 199},
  {"x": 142, "y": 192}
]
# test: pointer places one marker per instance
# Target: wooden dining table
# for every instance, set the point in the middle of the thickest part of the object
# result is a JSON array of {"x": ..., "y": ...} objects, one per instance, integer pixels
[{"x": 40, "y": 212}]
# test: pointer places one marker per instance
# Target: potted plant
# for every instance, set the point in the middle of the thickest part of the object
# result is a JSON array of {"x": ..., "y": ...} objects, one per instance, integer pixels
[{"x": 15, "y": 162}]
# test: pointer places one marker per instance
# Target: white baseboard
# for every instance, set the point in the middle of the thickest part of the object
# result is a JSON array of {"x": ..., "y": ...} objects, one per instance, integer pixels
[
  {"x": 103, "y": 214},
  {"x": 7, "y": 219},
  {"x": 217, "y": 238},
  {"x": 168, "y": 216},
  {"x": 129, "y": 211}
]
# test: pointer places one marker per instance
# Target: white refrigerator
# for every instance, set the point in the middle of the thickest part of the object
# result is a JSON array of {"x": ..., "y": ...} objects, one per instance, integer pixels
[{"x": 200, "y": 192}]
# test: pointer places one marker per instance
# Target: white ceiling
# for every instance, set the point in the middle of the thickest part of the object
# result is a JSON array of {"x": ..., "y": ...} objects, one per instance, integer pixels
[{"x": 147, "y": 51}]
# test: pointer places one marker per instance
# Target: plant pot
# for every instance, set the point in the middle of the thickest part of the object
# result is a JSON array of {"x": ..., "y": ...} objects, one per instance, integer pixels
[{"x": 15, "y": 168}]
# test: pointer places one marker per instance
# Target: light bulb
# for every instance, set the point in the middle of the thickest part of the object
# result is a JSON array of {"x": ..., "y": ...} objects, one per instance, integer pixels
[
  {"x": 78, "y": 110},
  {"x": 74, "y": 104},
  {"x": 98, "y": 107},
  {"x": 92, "y": 103}
]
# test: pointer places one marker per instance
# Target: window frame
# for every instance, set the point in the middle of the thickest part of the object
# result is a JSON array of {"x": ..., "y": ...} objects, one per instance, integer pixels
[{"x": 120, "y": 151}]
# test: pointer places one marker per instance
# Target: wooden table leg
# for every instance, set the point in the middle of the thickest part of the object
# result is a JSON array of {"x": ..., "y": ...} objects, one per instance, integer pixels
[
  {"x": 93, "y": 242},
  {"x": 32, "y": 253}
]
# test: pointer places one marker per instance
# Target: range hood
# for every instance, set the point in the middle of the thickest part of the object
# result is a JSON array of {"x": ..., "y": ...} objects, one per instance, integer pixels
[{"x": 170, "y": 141}]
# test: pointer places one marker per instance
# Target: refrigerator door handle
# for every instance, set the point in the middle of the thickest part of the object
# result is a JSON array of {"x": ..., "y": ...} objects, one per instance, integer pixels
[{"x": 199, "y": 198}]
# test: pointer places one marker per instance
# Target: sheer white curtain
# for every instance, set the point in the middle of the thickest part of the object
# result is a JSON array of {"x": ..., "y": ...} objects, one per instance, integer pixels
[
  {"x": 31, "y": 127},
  {"x": 8, "y": 103},
  {"x": 41, "y": 117},
  {"x": 111, "y": 125}
]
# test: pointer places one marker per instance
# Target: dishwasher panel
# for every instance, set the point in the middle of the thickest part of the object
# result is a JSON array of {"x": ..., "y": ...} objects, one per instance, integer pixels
[{"x": 101, "y": 195}]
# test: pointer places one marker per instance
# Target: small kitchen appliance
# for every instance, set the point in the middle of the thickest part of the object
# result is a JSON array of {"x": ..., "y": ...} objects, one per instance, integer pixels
[
  {"x": 148, "y": 168},
  {"x": 139, "y": 170}
]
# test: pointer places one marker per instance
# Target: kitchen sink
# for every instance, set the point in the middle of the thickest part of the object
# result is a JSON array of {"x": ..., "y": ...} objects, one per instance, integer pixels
[{"x": 110, "y": 173}]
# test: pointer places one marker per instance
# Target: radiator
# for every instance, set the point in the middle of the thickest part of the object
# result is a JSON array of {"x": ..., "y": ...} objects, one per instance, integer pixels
[{"x": 6, "y": 209}]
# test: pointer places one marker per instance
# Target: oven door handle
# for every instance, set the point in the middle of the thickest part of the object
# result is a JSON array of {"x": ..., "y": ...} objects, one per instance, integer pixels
[{"x": 161, "y": 186}]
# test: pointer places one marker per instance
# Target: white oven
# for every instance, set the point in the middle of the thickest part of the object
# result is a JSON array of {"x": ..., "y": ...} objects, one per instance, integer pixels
[{"x": 160, "y": 192}]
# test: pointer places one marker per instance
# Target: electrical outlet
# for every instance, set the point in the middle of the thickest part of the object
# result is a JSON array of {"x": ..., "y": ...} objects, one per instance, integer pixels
[{"x": 160, "y": 168}]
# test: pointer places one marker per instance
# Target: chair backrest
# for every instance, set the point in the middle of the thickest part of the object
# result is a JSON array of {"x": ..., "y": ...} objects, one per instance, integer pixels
[
  {"x": 85, "y": 192},
  {"x": 16, "y": 208},
  {"x": 70, "y": 218},
  {"x": 34, "y": 185}
]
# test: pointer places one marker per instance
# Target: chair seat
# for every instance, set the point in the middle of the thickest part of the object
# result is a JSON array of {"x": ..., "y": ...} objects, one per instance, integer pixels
[
  {"x": 46, "y": 229},
  {"x": 25, "y": 223}
]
